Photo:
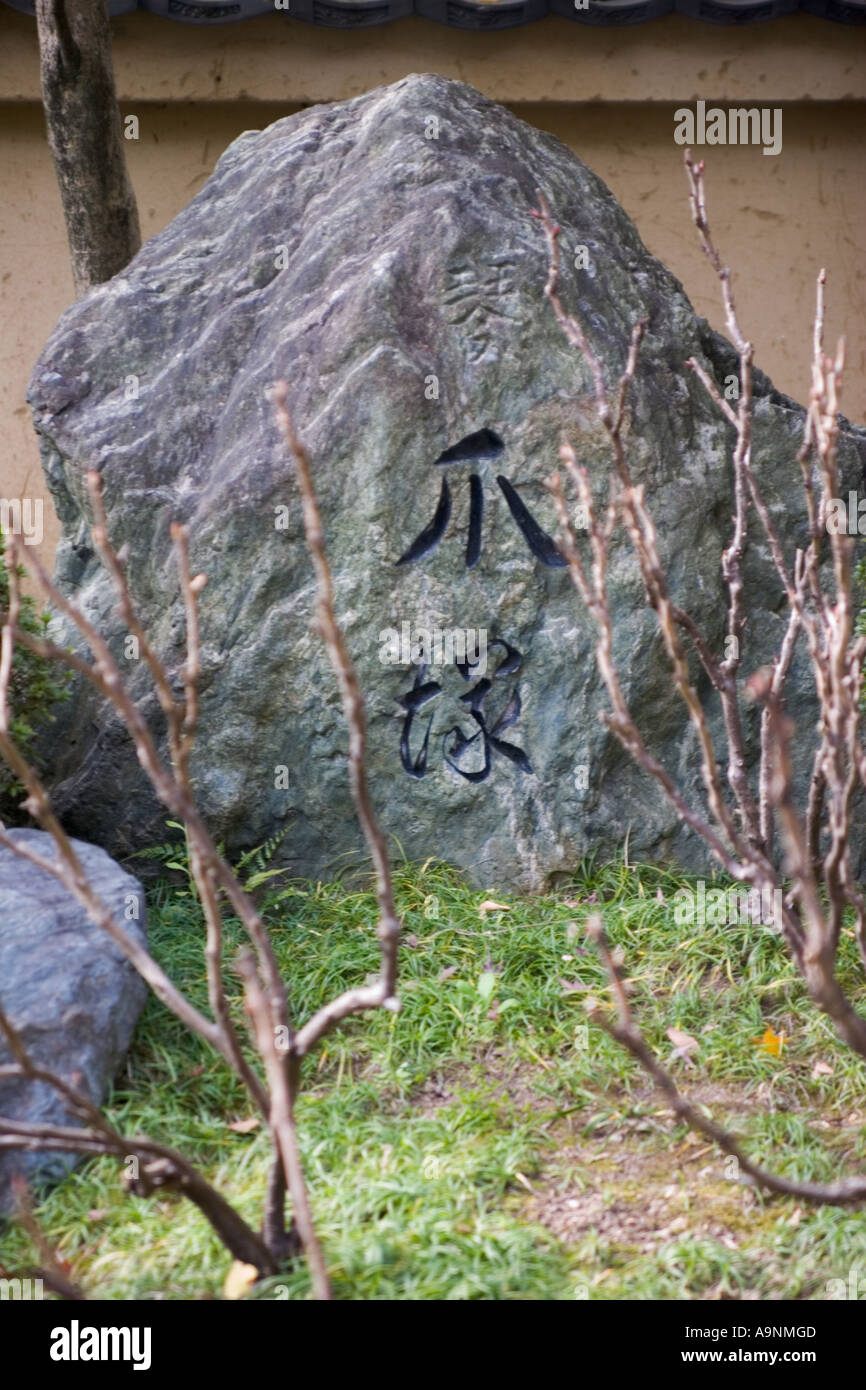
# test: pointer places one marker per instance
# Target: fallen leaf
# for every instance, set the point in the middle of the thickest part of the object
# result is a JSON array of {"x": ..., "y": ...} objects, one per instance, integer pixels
[
  {"x": 571, "y": 931},
  {"x": 245, "y": 1126},
  {"x": 683, "y": 1042},
  {"x": 490, "y": 906},
  {"x": 239, "y": 1280},
  {"x": 573, "y": 986},
  {"x": 821, "y": 1069},
  {"x": 771, "y": 1042},
  {"x": 96, "y": 1214},
  {"x": 411, "y": 940},
  {"x": 571, "y": 902},
  {"x": 447, "y": 973}
]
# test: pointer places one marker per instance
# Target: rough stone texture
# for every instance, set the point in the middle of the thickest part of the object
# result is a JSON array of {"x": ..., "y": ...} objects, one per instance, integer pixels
[
  {"x": 407, "y": 258},
  {"x": 66, "y": 987}
]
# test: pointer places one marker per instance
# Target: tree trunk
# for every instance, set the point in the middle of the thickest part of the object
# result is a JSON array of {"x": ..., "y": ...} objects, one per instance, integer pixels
[{"x": 85, "y": 137}]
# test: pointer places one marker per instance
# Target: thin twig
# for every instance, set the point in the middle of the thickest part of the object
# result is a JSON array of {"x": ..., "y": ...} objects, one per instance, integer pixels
[{"x": 848, "y": 1192}]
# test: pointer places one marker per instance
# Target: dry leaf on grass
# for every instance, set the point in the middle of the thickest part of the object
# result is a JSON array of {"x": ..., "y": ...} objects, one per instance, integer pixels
[
  {"x": 490, "y": 906},
  {"x": 245, "y": 1126},
  {"x": 684, "y": 1043},
  {"x": 573, "y": 986},
  {"x": 771, "y": 1042}
]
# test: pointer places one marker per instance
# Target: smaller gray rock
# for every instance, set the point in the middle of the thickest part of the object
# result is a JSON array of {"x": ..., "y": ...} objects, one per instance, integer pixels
[{"x": 67, "y": 989}]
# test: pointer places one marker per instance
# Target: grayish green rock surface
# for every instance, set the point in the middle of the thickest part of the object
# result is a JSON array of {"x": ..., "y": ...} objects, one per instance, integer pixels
[
  {"x": 70, "y": 993},
  {"x": 379, "y": 255}
]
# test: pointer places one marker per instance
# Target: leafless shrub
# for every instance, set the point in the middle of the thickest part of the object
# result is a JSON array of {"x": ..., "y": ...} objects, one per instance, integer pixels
[
  {"x": 753, "y": 826},
  {"x": 280, "y": 1043}
]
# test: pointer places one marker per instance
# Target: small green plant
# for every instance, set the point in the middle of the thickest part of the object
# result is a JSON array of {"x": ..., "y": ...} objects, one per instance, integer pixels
[
  {"x": 251, "y": 869},
  {"x": 36, "y": 686}
]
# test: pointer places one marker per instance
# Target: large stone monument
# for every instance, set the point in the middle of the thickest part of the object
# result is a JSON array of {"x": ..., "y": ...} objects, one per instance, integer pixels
[{"x": 379, "y": 255}]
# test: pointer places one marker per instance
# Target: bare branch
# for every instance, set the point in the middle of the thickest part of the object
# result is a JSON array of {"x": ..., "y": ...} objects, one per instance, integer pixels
[
  {"x": 848, "y": 1192},
  {"x": 353, "y": 711},
  {"x": 159, "y": 1166},
  {"x": 822, "y": 884},
  {"x": 281, "y": 1084}
]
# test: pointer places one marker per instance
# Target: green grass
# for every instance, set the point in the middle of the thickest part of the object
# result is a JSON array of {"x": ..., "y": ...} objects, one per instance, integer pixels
[{"x": 438, "y": 1140}]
